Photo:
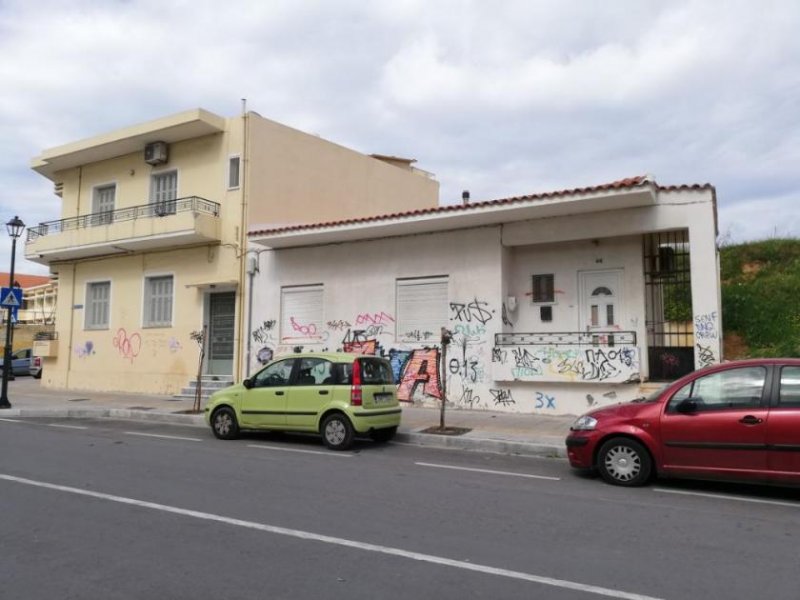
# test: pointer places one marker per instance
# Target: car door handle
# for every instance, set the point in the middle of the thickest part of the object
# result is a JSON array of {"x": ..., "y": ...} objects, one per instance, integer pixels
[
  {"x": 323, "y": 392},
  {"x": 750, "y": 420},
  {"x": 278, "y": 393}
]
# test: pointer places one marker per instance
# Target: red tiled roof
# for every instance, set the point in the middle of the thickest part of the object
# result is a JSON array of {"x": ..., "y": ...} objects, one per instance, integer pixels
[
  {"x": 25, "y": 281},
  {"x": 630, "y": 182}
]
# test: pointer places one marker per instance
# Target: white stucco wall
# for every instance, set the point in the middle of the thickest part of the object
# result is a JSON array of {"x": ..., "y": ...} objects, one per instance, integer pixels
[{"x": 486, "y": 266}]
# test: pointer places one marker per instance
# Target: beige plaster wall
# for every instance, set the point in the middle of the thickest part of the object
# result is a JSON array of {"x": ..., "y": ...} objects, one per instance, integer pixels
[
  {"x": 295, "y": 177},
  {"x": 128, "y": 356}
]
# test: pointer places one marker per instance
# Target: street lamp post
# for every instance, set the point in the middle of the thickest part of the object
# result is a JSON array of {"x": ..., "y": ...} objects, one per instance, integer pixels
[{"x": 15, "y": 227}]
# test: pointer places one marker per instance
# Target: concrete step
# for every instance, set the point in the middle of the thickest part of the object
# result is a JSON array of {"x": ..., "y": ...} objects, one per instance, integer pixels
[{"x": 209, "y": 384}]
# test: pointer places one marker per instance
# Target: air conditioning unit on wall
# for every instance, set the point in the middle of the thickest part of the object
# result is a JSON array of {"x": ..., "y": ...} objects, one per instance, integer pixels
[{"x": 155, "y": 153}]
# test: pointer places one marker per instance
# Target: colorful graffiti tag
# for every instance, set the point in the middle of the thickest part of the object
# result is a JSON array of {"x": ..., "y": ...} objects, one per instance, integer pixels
[{"x": 564, "y": 363}]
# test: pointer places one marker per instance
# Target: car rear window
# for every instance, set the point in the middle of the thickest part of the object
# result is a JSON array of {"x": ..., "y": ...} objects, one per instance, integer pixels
[{"x": 376, "y": 371}]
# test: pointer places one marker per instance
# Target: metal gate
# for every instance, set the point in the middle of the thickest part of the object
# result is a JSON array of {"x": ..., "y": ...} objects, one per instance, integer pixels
[
  {"x": 222, "y": 310},
  {"x": 668, "y": 298}
]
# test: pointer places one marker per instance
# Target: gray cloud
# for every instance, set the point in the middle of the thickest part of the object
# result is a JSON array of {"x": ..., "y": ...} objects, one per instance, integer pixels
[{"x": 500, "y": 98}]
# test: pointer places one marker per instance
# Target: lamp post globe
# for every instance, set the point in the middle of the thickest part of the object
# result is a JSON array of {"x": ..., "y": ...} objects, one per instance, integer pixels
[{"x": 15, "y": 228}]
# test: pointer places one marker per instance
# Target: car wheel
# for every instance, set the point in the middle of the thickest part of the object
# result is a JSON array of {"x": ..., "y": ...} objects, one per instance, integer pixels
[
  {"x": 224, "y": 424},
  {"x": 622, "y": 461},
  {"x": 337, "y": 432},
  {"x": 38, "y": 375},
  {"x": 382, "y": 435}
]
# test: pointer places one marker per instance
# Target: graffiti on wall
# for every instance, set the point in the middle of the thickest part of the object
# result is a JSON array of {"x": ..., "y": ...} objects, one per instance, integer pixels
[
  {"x": 475, "y": 310},
  {"x": 705, "y": 356},
  {"x": 128, "y": 345},
  {"x": 263, "y": 333},
  {"x": 706, "y": 333},
  {"x": 565, "y": 363},
  {"x": 421, "y": 369},
  {"x": 85, "y": 349},
  {"x": 705, "y": 326},
  {"x": 502, "y": 397}
]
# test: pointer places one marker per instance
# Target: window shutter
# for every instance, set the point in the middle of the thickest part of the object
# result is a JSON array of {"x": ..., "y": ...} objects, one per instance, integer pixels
[
  {"x": 301, "y": 312},
  {"x": 422, "y": 308}
]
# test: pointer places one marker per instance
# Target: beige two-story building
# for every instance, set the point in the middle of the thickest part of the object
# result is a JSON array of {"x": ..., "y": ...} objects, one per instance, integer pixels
[{"x": 151, "y": 245}]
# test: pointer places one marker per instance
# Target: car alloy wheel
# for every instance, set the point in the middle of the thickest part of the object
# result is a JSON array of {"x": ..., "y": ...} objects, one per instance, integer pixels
[
  {"x": 224, "y": 425},
  {"x": 623, "y": 461},
  {"x": 337, "y": 432}
]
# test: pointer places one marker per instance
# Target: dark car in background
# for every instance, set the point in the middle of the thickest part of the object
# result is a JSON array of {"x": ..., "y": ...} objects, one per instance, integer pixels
[
  {"x": 24, "y": 363},
  {"x": 735, "y": 421}
]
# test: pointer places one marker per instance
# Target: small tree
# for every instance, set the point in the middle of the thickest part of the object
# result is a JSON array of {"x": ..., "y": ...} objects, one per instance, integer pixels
[
  {"x": 447, "y": 337},
  {"x": 199, "y": 337}
]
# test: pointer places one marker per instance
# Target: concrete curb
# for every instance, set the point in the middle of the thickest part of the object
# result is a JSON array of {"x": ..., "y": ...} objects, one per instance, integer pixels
[
  {"x": 475, "y": 444},
  {"x": 429, "y": 440},
  {"x": 109, "y": 413}
]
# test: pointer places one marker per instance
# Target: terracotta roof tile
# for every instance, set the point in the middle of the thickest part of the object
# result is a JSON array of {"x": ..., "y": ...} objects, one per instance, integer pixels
[{"x": 25, "y": 281}]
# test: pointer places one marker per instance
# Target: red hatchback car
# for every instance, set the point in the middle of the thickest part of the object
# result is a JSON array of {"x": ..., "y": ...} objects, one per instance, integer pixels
[{"x": 738, "y": 421}]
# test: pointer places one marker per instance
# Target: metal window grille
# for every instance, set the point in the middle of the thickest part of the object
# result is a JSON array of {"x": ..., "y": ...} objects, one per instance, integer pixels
[
  {"x": 668, "y": 304},
  {"x": 543, "y": 288}
]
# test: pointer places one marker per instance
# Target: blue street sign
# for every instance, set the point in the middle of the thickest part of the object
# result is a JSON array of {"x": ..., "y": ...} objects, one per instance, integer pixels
[{"x": 10, "y": 297}]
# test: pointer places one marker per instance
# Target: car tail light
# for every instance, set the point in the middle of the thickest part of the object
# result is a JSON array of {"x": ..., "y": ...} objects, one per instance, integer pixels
[
  {"x": 37, "y": 361},
  {"x": 355, "y": 390}
]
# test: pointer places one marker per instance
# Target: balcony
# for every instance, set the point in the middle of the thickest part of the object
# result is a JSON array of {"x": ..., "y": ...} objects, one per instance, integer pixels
[{"x": 180, "y": 222}]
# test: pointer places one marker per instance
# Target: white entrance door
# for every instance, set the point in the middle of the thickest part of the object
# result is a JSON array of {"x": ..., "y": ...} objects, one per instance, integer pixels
[{"x": 600, "y": 299}]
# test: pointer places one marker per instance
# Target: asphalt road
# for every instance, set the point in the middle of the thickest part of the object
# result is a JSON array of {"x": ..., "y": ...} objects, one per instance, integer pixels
[{"x": 104, "y": 509}]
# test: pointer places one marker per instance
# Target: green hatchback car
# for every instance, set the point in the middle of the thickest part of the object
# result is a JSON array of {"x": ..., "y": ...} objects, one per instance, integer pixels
[{"x": 334, "y": 394}]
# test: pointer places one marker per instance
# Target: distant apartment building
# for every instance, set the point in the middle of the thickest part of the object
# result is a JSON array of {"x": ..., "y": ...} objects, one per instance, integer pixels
[
  {"x": 38, "y": 298},
  {"x": 151, "y": 246}
]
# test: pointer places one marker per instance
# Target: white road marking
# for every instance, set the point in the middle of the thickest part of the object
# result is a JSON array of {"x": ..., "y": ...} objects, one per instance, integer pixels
[
  {"x": 326, "y": 539},
  {"x": 166, "y": 437},
  {"x": 335, "y": 454},
  {"x": 12, "y": 420},
  {"x": 67, "y": 426},
  {"x": 727, "y": 497},
  {"x": 510, "y": 473}
]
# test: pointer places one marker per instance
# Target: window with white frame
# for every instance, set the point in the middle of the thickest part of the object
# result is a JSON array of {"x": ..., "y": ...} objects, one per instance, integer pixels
[
  {"x": 164, "y": 192},
  {"x": 422, "y": 308},
  {"x": 97, "y": 304},
  {"x": 103, "y": 204},
  {"x": 301, "y": 312},
  {"x": 158, "y": 301},
  {"x": 233, "y": 172}
]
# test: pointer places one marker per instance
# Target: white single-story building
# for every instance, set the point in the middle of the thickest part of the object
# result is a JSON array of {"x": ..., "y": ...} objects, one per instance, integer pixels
[{"x": 555, "y": 302}]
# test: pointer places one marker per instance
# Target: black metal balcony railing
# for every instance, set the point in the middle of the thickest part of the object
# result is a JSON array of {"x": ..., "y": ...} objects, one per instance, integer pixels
[
  {"x": 567, "y": 338},
  {"x": 150, "y": 210}
]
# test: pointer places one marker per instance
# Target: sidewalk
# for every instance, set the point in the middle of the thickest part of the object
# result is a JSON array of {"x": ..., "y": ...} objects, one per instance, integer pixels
[{"x": 506, "y": 433}]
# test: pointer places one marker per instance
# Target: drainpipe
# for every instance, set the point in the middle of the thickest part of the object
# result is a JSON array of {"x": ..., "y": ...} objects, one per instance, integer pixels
[
  {"x": 252, "y": 269},
  {"x": 243, "y": 170},
  {"x": 72, "y": 299}
]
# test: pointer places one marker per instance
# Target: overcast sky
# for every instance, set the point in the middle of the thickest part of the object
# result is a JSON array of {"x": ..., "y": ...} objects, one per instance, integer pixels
[{"x": 502, "y": 98}]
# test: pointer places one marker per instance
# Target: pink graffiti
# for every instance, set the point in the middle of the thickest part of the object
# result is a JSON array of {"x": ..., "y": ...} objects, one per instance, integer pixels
[
  {"x": 307, "y": 330},
  {"x": 380, "y": 318},
  {"x": 422, "y": 367},
  {"x": 128, "y": 346},
  {"x": 361, "y": 347}
]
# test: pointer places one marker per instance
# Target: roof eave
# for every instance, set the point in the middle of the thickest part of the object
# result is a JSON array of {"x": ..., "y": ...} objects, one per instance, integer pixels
[
  {"x": 479, "y": 216},
  {"x": 174, "y": 128}
]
